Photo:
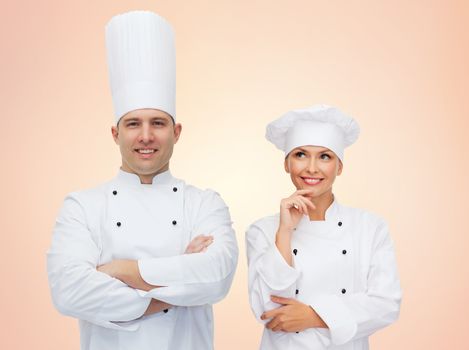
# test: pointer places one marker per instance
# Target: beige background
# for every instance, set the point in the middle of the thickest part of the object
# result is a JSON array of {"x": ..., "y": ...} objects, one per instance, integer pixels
[{"x": 400, "y": 67}]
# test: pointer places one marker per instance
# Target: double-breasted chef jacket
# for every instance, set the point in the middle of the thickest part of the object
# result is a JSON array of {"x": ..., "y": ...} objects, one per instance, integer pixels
[
  {"x": 124, "y": 219},
  {"x": 343, "y": 267}
]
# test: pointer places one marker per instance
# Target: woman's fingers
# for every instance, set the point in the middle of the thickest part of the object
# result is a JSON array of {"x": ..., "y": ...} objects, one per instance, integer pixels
[
  {"x": 308, "y": 203},
  {"x": 304, "y": 192}
]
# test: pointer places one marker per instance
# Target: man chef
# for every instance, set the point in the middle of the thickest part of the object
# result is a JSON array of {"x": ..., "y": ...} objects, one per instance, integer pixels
[{"x": 140, "y": 259}]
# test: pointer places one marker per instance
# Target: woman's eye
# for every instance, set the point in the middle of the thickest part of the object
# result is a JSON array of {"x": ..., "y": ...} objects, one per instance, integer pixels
[
  {"x": 325, "y": 156},
  {"x": 299, "y": 154}
]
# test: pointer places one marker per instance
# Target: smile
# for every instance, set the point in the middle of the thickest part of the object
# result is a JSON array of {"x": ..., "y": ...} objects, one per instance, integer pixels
[
  {"x": 311, "y": 181},
  {"x": 146, "y": 151}
]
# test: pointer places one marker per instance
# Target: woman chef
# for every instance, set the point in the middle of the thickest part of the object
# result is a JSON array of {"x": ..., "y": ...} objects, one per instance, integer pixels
[{"x": 321, "y": 275}]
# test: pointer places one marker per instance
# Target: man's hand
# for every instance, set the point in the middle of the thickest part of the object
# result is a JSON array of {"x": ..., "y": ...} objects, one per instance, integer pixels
[
  {"x": 293, "y": 316},
  {"x": 127, "y": 270},
  {"x": 157, "y": 306},
  {"x": 199, "y": 244},
  {"x": 115, "y": 268}
]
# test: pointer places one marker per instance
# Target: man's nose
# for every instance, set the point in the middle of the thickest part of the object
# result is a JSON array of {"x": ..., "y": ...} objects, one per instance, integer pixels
[{"x": 146, "y": 135}]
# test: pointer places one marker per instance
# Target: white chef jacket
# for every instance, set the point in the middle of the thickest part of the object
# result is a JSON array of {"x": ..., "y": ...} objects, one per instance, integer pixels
[
  {"x": 124, "y": 219},
  {"x": 344, "y": 267}
]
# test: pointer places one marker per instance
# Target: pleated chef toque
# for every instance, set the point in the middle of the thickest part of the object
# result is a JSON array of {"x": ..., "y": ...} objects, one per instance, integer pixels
[
  {"x": 141, "y": 62},
  {"x": 319, "y": 125}
]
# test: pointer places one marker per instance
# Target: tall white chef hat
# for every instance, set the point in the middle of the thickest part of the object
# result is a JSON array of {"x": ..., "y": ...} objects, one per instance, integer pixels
[
  {"x": 141, "y": 62},
  {"x": 319, "y": 125}
]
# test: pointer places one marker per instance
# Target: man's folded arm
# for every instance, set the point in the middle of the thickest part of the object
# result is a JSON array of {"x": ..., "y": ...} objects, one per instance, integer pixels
[
  {"x": 77, "y": 288},
  {"x": 200, "y": 278}
]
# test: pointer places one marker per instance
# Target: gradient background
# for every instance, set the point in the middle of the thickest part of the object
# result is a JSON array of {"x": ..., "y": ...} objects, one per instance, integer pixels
[{"x": 400, "y": 67}]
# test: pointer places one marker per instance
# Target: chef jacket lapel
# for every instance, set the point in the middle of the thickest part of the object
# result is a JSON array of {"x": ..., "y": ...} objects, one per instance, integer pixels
[
  {"x": 322, "y": 249},
  {"x": 144, "y": 220}
]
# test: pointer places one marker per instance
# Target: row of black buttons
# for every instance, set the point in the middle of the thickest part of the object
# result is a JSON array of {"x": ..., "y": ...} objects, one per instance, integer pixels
[
  {"x": 119, "y": 224},
  {"x": 295, "y": 251},
  {"x": 175, "y": 189}
]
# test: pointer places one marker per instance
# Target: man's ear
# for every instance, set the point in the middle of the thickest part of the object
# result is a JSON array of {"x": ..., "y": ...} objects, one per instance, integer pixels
[
  {"x": 177, "y": 131},
  {"x": 115, "y": 134}
]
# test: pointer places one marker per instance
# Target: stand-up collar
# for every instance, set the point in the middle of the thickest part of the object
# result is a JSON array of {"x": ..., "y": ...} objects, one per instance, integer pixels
[
  {"x": 324, "y": 228},
  {"x": 332, "y": 211},
  {"x": 133, "y": 179}
]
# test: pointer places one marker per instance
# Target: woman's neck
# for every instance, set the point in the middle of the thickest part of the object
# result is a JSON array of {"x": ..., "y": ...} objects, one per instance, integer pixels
[{"x": 322, "y": 203}]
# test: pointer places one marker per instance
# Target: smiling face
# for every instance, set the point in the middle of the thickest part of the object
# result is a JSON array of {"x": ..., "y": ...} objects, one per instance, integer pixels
[
  {"x": 146, "y": 138},
  {"x": 313, "y": 167}
]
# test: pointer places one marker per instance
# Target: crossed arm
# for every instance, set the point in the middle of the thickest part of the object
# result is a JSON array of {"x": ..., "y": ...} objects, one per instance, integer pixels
[
  {"x": 128, "y": 272},
  {"x": 84, "y": 291}
]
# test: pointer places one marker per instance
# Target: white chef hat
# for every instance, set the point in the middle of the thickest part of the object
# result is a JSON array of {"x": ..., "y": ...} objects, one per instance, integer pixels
[
  {"x": 319, "y": 125},
  {"x": 141, "y": 62}
]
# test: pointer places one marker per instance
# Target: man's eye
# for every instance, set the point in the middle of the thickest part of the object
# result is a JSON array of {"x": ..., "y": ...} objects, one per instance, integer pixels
[{"x": 132, "y": 124}]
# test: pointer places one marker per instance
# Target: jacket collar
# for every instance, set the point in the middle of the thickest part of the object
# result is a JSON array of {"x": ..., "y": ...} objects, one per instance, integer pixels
[
  {"x": 332, "y": 211},
  {"x": 133, "y": 179}
]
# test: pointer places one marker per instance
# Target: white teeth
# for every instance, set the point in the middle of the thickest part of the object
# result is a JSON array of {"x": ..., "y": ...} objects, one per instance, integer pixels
[
  {"x": 312, "y": 181},
  {"x": 146, "y": 151}
]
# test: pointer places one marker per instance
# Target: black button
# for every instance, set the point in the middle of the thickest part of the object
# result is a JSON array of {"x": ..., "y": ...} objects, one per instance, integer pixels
[
  {"x": 295, "y": 251},
  {"x": 344, "y": 252},
  {"x": 297, "y": 291},
  {"x": 114, "y": 192},
  {"x": 340, "y": 223},
  {"x": 165, "y": 311},
  {"x": 175, "y": 189},
  {"x": 343, "y": 291},
  {"x": 174, "y": 222},
  {"x": 297, "y": 332},
  {"x": 118, "y": 224}
]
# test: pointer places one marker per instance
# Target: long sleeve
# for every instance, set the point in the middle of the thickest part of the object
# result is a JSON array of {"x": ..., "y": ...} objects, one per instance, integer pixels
[
  {"x": 77, "y": 288},
  {"x": 358, "y": 315},
  {"x": 269, "y": 273},
  {"x": 200, "y": 278}
]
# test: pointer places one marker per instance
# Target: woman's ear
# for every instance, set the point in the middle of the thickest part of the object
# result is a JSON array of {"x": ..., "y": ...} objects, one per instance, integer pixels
[
  {"x": 339, "y": 171},
  {"x": 285, "y": 164}
]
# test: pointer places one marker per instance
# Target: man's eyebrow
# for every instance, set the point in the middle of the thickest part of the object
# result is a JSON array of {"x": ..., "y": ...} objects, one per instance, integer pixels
[{"x": 131, "y": 120}]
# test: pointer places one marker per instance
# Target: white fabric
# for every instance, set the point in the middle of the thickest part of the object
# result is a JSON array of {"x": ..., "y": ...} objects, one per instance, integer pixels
[
  {"x": 86, "y": 235},
  {"x": 141, "y": 63},
  {"x": 319, "y": 125},
  {"x": 367, "y": 273}
]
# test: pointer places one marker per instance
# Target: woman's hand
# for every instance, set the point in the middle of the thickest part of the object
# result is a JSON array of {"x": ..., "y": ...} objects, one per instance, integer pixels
[
  {"x": 292, "y": 316},
  {"x": 291, "y": 211},
  {"x": 293, "y": 208}
]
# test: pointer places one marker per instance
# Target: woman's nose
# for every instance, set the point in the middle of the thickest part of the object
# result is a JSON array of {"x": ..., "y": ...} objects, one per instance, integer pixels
[{"x": 312, "y": 166}]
